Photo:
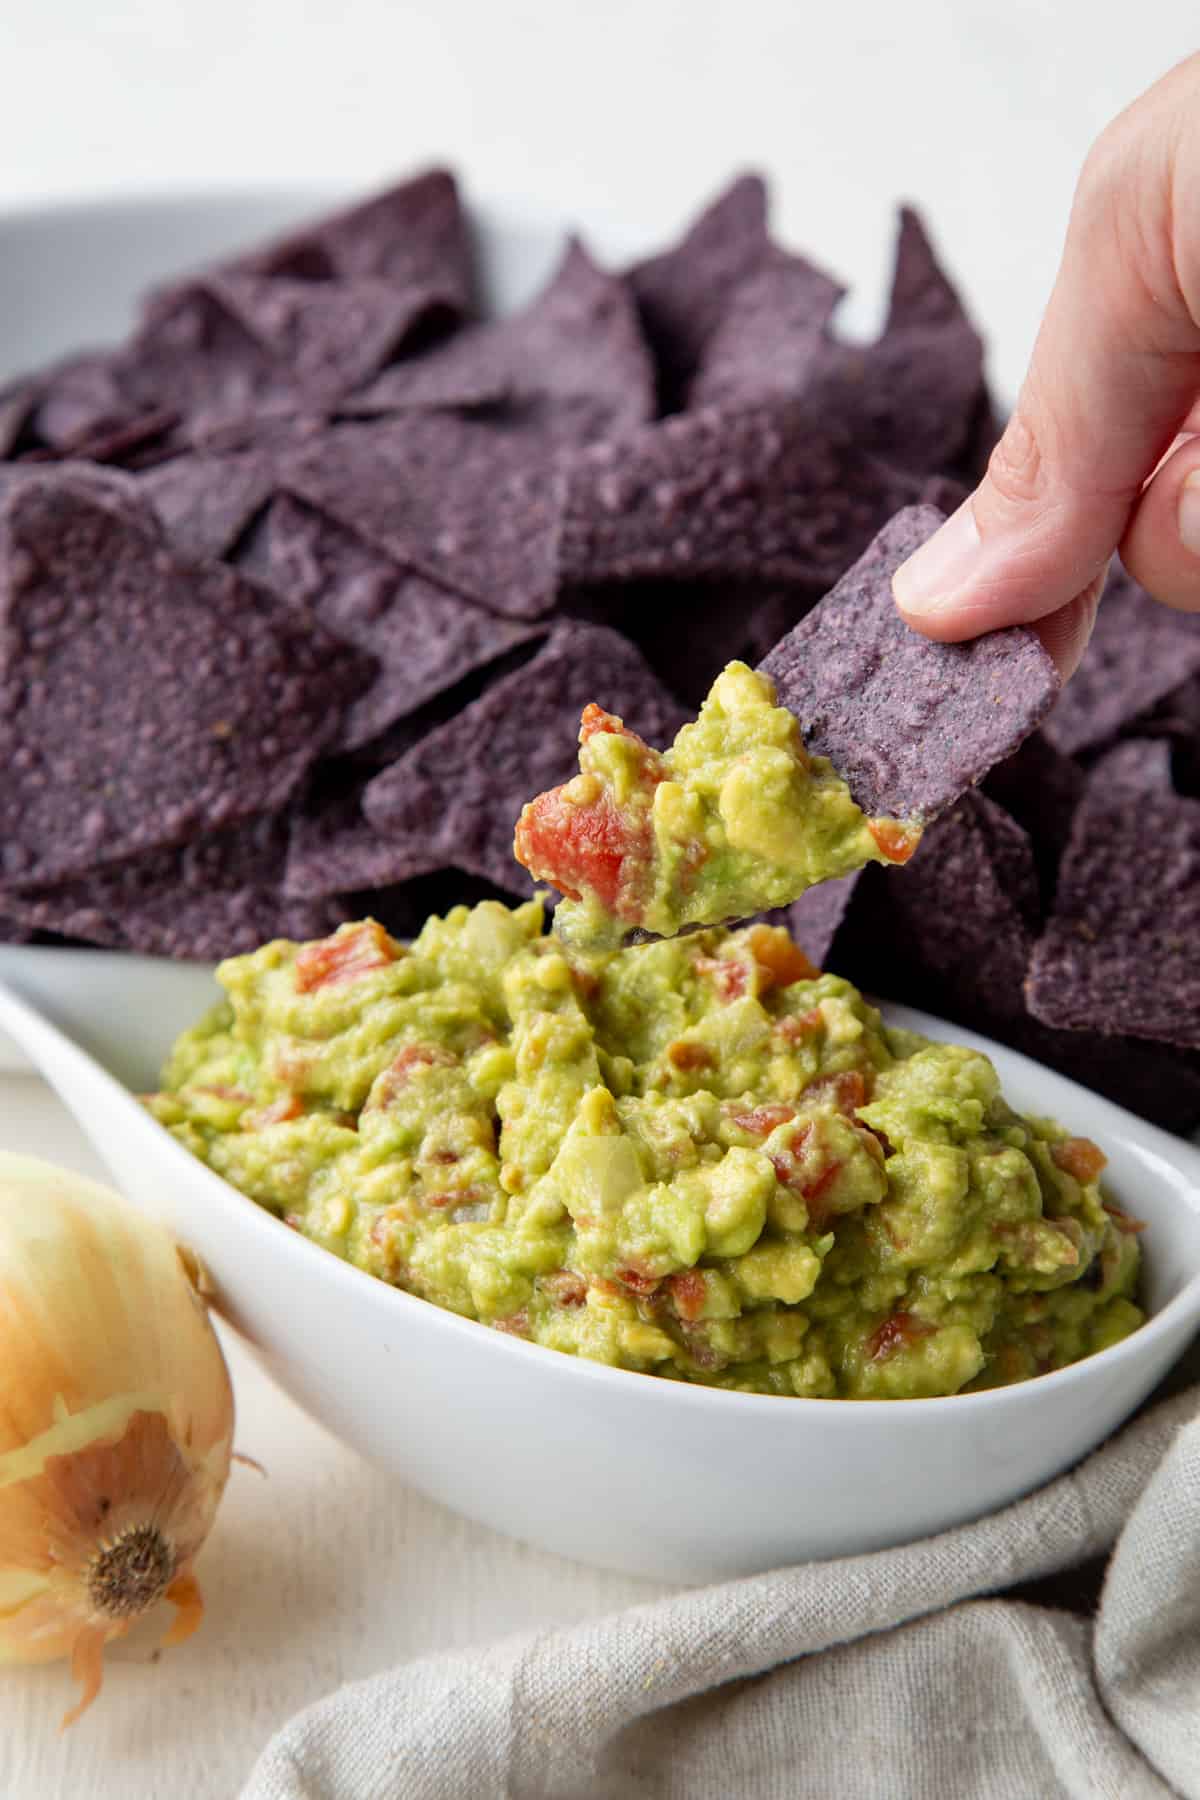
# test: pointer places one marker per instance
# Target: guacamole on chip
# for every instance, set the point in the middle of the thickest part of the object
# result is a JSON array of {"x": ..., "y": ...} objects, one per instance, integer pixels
[
  {"x": 735, "y": 818},
  {"x": 699, "y": 1159}
]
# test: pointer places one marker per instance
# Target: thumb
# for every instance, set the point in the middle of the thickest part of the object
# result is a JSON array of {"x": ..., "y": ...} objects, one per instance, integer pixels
[{"x": 1114, "y": 373}]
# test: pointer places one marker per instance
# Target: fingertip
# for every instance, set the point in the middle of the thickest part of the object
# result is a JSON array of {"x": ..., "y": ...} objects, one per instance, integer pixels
[
  {"x": 927, "y": 587},
  {"x": 1161, "y": 548},
  {"x": 1065, "y": 633}
]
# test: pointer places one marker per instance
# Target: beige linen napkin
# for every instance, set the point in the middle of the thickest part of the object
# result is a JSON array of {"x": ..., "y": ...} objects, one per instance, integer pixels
[{"x": 870, "y": 1678}]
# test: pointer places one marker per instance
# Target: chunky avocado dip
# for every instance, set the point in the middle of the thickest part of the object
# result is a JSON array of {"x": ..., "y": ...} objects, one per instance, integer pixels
[
  {"x": 734, "y": 819},
  {"x": 699, "y": 1159}
]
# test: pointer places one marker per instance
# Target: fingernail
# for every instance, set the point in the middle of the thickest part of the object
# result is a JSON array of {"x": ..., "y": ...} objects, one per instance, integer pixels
[
  {"x": 1189, "y": 513},
  {"x": 931, "y": 579}
]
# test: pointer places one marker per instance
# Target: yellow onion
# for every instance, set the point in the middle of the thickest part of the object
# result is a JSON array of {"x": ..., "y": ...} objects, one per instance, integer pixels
[{"x": 116, "y": 1421}]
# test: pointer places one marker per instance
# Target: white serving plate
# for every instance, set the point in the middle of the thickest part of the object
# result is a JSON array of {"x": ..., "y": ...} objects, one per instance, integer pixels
[{"x": 632, "y": 1472}]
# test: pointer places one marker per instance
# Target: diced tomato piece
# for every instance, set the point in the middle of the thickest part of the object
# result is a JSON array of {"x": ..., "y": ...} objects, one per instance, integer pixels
[
  {"x": 685, "y": 1054},
  {"x": 847, "y": 1090},
  {"x": 784, "y": 1161},
  {"x": 761, "y": 1121},
  {"x": 591, "y": 847},
  {"x": 638, "y": 1281},
  {"x": 781, "y": 961},
  {"x": 403, "y": 1067},
  {"x": 729, "y": 978},
  {"x": 352, "y": 951},
  {"x": 565, "y": 1287},
  {"x": 897, "y": 842},
  {"x": 596, "y": 719},
  {"x": 793, "y": 1029},
  {"x": 288, "y": 1106},
  {"x": 688, "y": 1291},
  {"x": 1124, "y": 1221},
  {"x": 1079, "y": 1157},
  {"x": 222, "y": 1091},
  {"x": 899, "y": 1331},
  {"x": 516, "y": 1324}
]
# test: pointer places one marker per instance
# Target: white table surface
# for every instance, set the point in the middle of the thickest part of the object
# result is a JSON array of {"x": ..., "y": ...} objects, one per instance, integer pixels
[{"x": 324, "y": 1570}]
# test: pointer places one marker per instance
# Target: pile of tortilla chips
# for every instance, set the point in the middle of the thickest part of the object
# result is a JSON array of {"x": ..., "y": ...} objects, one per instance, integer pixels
[{"x": 304, "y": 586}]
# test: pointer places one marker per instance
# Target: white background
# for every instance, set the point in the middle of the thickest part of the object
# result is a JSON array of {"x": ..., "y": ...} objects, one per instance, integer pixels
[{"x": 631, "y": 111}]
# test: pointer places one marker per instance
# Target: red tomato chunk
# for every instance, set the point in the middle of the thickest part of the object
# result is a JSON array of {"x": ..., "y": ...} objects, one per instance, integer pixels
[{"x": 344, "y": 957}]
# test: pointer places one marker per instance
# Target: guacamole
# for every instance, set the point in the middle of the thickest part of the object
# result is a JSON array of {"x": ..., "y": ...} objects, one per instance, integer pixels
[
  {"x": 734, "y": 819},
  {"x": 699, "y": 1159}
]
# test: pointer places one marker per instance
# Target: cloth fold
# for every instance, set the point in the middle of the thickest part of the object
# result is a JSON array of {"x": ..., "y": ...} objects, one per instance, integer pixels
[{"x": 878, "y": 1677}]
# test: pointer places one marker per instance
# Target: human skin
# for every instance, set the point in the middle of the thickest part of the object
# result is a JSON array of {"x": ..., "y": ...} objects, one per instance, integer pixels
[{"x": 1102, "y": 452}]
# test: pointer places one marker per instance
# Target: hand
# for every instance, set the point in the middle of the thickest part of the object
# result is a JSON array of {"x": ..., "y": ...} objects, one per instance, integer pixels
[{"x": 1096, "y": 457}]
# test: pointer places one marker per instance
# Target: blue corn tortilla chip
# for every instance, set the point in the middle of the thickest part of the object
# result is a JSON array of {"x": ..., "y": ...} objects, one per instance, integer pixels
[
  {"x": 953, "y": 931},
  {"x": 215, "y": 897},
  {"x": 333, "y": 848},
  {"x": 414, "y": 234},
  {"x": 1119, "y": 949},
  {"x": 915, "y": 397},
  {"x": 815, "y": 919},
  {"x": 689, "y": 630},
  {"x": 18, "y": 403},
  {"x": 762, "y": 492},
  {"x": 769, "y": 337},
  {"x": 457, "y": 794},
  {"x": 922, "y": 293},
  {"x": 423, "y": 638},
  {"x": 1140, "y": 651},
  {"x": 233, "y": 697},
  {"x": 472, "y": 504},
  {"x": 226, "y": 347},
  {"x": 909, "y": 724},
  {"x": 579, "y": 336},
  {"x": 205, "y": 502},
  {"x": 683, "y": 292},
  {"x": 1040, "y": 789}
]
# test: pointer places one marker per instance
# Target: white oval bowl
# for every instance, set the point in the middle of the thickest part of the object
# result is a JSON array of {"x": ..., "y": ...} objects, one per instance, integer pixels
[{"x": 633, "y": 1472}]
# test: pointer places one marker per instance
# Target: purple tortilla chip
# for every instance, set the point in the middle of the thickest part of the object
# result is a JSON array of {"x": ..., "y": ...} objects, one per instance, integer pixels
[
  {"x": 458, "y": 793},
  {"x": 18, "y": 402},
  {"x": 215, "y": 897},
  {"x": 914, "y": 396},
  {"x": 815, "y": 919},
  {"x": 329, "y": 336},
  {"x": 580, "y": 336},
  {"x": 334, "y": 849},
  {"x": 909, "y": 724},
  {"x": 689, "y": 630},
  {"x": 80, "y": 400},
  {"x": 953, "y": 928},
  {"x": 1119, "y": 949},
  {"x": 413, "y": 235},
  {"x": 206, "y": 502},
  {"x": 683, "y": 292},
  {"x": 922, "y": 293},
  {"x": 760, "y": 492},
  {"x": 423, "y": 638},
  {"x": 192, "y": 352},
  {"x": 1139, "y": 652},
  {"x": 1176, "y": 720},
  {"x": 143, "y": 700},
  {"x": 1041, "y": 790},
  {"x": 473, "y": 504},
  {"x": 769, "y": 337},
  {"x": 226, "y": 347},
  {"x": 950, "y": 933}
]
